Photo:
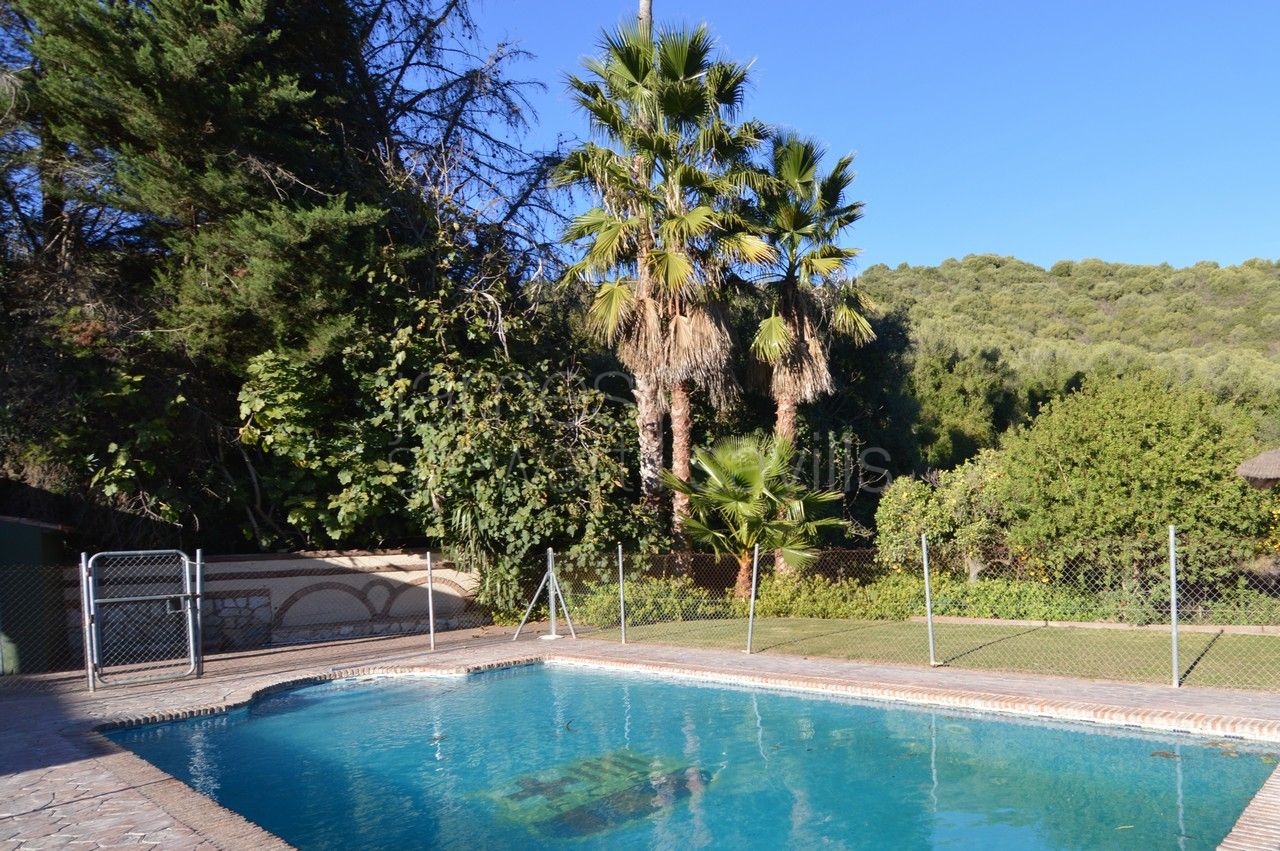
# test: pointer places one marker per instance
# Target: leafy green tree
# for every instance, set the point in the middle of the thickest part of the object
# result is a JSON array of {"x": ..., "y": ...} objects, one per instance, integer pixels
[
  {"x": 664, "y": 180},
  {"x": 1120, "y": 460},
  {"x": 189, "y": 185},
  {"x": 495, "y": 456},
  {"x": 190, "y": 202},
  {"x": 224, "y": 137},
  {"x": 966, "y": 401},
  {"x": 744, "y": 494},
  {"x": 804, "y": 213},
  {"x": 959, "y": 511}
]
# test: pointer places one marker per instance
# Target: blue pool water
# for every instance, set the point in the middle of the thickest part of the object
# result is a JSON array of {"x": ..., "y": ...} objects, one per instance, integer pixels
[{"x": 537, "y": 756}]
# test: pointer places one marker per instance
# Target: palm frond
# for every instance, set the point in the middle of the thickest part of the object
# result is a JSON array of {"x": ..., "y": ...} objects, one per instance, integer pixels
[
  {"x": 685, "y": 227},
  {"x": 849, "y": 315},
  {"x": 611, "y": 307},
  {"x": 772, "y": 340},
  {"x": 826, "y": 260},
  {"x": 741, "y": 495},
  {"x": 672, "y": 269},
  {"x": 850, "y": 322}
]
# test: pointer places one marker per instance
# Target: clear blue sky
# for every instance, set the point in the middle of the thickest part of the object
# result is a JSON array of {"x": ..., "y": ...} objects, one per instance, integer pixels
[{"x": 1130, "y": 131}]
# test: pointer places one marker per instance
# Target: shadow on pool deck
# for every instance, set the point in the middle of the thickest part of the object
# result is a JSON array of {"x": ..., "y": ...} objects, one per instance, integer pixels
[{"x": 1206, "y": 659}]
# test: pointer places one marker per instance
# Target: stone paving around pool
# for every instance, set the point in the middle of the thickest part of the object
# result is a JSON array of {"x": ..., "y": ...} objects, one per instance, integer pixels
[{"x": 63, "y": 785}]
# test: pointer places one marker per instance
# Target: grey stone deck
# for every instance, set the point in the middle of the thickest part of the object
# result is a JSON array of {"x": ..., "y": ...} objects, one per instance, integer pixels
[{"x": 62, "y": 785}]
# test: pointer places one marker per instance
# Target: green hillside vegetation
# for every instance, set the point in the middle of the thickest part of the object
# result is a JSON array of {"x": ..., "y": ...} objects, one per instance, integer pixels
[{"x": 1216, "y": 326}]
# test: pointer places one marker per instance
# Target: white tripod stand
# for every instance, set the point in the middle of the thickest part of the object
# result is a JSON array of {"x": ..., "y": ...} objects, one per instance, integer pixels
[{"x": 553, "y": 592}]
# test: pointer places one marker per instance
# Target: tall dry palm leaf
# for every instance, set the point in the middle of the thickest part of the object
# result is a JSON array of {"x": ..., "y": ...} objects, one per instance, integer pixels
[
  {"x": 811, "y": 296},
  {"x": 667, "y": 171}
]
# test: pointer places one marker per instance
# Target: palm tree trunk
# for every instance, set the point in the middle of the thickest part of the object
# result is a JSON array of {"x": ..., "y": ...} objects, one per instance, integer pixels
[
  {"x": 644, "y": 17},
  {"x": 742, "y": 587},
  {"x": 681, "y": 428},
  {"x": 784, "y": 426},
  {"x": 649, "y": 427},
  {"x": 785, "y": 419}
]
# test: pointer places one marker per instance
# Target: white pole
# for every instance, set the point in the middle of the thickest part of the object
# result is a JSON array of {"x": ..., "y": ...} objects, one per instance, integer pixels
[
  {"x": 622, "y": 596},
  {"x": 564, "y": 607},
  {"x": 431, "y": 602},
  {"x": 751, "y": 609},
  {"x": 1173, "y": 603},
  {"x": 86, "y": 618},
  {"x": 928, "y": 599},
  {"x": 551, "y": 590},
  {"x": 199, "y": 613},
  {"x": 551, "y": 594}
]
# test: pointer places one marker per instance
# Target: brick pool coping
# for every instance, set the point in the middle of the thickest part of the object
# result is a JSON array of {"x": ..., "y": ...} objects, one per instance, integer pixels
[{"x": 214, "y": 826}]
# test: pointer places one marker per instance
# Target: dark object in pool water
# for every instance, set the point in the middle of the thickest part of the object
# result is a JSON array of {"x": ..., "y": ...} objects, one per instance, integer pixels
[
  {"x": 616, "y": 809},
  {"x": 592, "y": 795}
]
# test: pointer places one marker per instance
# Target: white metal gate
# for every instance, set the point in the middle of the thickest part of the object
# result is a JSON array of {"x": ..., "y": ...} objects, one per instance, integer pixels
[{"x": 141, "y": 616}]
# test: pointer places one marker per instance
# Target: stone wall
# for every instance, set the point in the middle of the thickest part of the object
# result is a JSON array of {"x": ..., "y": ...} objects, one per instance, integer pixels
[
  {"x": 236, "y": 619},
  {"x": 260, "y": 600},
  {"x": 251, "y": 601}
]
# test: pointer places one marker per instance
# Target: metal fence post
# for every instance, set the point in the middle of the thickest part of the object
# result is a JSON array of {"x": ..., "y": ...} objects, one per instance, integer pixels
[
  {"x": 751, "y": 609},
  {"x": 431, "y": 602},
  {"x": 86, "y": 619},
  {"x": 533, "y": 601},
  {"x": 551, "y": 591},
  {"x": 928, "y": 599},
  {"x": 1173, "y": 603},
  {"x": 199, "y": 613},
  {"x": 622, "y": 596}
]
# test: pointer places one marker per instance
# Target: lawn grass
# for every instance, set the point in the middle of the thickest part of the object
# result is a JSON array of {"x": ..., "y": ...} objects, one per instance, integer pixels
[{"x": 1206, "y": 659}]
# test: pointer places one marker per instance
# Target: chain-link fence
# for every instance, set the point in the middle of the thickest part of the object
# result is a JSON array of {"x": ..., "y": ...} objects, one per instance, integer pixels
[
  {"x": 40, "y": 620},
  {"x": 693, "y": 599},
  {"x": 1096, "y": 610},
  {"x": 1109, "y": 610},
  {"x": 1100, "y": 610},
  {"x": 246, "y": 603}
]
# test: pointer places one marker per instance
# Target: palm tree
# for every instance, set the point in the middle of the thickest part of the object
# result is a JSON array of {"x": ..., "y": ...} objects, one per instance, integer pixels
[
  {"x": 802, "y": 215},
  {"x": 744, "y": 494},
  {"x": 669, "y": 164}
]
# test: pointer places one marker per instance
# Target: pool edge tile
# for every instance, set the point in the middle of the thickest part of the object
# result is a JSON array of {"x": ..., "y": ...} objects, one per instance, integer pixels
[{"x": 1156, "y": 720}]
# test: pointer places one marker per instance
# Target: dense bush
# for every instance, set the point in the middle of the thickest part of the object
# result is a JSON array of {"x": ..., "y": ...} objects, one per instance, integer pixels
[
  {"x": 1235, "y": 604},
  {"x": 1121, "y": 459},
  {"x": 652, "y": 600},
  {"x": 899, "y": 595},
  {"x": 959, "y": 509},
  {"x": 1095, "y": 479},
  {"x": 1016, "y": 600},
  {"x": 893, "y": 597}
]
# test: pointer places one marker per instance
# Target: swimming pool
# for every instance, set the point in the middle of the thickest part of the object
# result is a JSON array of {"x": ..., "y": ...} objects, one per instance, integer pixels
[{"x": 540, "y": 755}]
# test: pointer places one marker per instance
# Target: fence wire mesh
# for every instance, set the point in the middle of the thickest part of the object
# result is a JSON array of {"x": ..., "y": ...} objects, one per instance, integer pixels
[
  {"x": 1106, "y": 610},
  {"x": 692, "y": 599},
  {"x": 144, "y": 617},
  {"x": 40, "y": 620},
  {"x": 248, "y": 602},
  {"x": 1097, "y": 610}
]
